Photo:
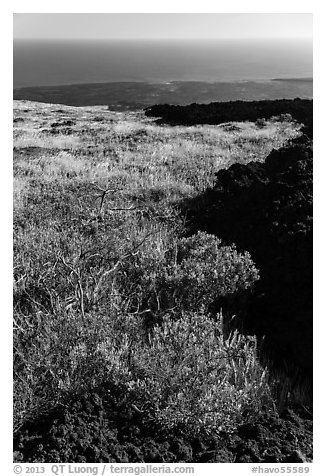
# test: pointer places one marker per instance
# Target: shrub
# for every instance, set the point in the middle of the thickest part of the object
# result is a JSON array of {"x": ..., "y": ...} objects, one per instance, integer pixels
[
  {"x": 201, "y": 271},
  {"x": 187, "y": 275},
  {"x": 54, "y": 358},
  {"x": 193, "y": 377},
  {"x": 184, "y": 372}
]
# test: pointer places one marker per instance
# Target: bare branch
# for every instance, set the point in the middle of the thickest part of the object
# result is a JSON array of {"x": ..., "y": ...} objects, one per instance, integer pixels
[{"x": 103, "y": 193}]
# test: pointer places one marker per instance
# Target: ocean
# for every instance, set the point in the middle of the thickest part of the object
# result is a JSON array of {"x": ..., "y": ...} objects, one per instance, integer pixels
[{"x": 60, "y": 62}]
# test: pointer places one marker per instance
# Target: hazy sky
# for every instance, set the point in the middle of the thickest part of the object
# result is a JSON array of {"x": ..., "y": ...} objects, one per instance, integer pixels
[{"x": 162, "y": 25}]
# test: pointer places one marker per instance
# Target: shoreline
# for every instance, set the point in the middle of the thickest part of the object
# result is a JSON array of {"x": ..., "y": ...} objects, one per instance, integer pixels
[{"x": 134, "y": 95}]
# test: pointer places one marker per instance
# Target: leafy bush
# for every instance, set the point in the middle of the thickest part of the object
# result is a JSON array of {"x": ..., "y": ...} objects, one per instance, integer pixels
[
  {"x": 184, "y": 373},
  {"x": 54, "y": 358},
  {"x": 188, "y": 275},
  {"x": 60, "y": 350},
  {"x": 201, "y": 271},
  {"x": 196, "y": 378}
]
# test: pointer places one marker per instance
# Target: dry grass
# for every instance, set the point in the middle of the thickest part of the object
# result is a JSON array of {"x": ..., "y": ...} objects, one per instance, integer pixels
[{"x": 131, "y": 149}]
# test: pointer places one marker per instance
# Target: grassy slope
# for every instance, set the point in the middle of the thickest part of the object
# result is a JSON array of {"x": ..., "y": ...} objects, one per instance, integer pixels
[
  {"x": 130, "y": 149},
  {"x": 96, "y": 219}
]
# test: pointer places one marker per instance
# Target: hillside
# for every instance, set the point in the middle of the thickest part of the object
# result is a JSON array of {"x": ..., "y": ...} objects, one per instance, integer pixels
[{"x": 119, "y": 351}]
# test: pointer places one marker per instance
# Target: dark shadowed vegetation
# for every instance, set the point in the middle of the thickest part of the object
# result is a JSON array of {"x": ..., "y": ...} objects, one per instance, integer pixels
[{"x": 266, "y": 208}]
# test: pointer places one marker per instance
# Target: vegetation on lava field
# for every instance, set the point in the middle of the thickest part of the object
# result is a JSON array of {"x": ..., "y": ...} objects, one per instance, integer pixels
[{"x": 110, "y": 293}]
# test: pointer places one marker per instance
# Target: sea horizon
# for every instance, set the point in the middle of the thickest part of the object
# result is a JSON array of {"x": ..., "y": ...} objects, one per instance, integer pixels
[{"x": 63, "y": 62}]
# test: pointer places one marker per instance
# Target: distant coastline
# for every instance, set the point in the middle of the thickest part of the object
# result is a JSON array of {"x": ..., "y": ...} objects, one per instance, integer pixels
[
  {"x": 133, "y": 95},
  {"x": 305, "y": 80}
]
